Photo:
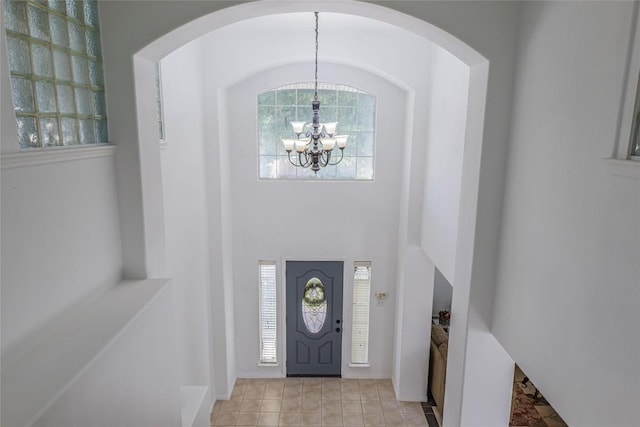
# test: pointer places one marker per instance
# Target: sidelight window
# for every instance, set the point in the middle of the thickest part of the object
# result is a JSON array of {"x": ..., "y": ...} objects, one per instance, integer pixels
[
  {"x": 360, "y": 321},
  {"x": 268, "y": 312}
]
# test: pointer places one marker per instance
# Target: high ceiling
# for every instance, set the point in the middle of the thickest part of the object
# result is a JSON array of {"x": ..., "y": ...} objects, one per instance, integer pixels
[{"x": 253, "y": 45}]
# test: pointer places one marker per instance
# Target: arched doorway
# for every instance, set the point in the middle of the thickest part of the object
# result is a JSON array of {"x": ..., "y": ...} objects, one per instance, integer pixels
[{"x": 151, "y": 199}]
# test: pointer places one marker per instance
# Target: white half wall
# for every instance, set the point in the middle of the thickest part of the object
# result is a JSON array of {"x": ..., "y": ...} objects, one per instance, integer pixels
[{"x": 134, "y": 381}]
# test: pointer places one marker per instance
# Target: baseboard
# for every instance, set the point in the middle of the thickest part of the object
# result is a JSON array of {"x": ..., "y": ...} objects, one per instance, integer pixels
[
  {"x": 362, "y": 375},
  {"x": 261, "y": 374},
  {"x": 422, "y": 398}
]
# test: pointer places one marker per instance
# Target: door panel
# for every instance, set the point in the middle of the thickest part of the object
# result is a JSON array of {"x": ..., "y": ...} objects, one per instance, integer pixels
[{"x": 314, "y": 318}]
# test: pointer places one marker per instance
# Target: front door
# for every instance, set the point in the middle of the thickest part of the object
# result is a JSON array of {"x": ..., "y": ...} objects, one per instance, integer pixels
[{"x": 314, "y": 318}]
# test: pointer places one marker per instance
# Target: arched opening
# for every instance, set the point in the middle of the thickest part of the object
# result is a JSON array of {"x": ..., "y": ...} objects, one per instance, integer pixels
[{"x": 455, "y": 256}]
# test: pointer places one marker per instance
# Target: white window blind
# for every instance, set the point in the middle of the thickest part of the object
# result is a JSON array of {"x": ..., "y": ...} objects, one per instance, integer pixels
[
  {"x": 268, "y": 315},
  {"x": 360, "y": 320}
]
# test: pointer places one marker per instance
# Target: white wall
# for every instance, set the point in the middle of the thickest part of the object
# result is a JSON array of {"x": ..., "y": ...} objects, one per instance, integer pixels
[
  {"x": 448, "y": 91},
  {"x": 60, "y": 242},
  {"x": 277, "y": 220},
  {"x": 186, "y": 220},
  {"x": 571, "y": 241},
  {"x": 447, "y": 207},
  {"x": 416, "y": 294}
]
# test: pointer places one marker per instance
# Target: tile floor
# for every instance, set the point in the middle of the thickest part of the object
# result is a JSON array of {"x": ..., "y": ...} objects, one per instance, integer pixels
[{"x": 316, "y": 402}]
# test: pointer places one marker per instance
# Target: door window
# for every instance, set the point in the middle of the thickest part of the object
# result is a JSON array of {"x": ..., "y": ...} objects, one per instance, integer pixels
[{"x": 314, "y": 305}]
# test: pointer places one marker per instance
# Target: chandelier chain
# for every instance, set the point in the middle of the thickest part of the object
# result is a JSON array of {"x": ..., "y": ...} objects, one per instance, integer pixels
[
  {"x": 315, "y": 97},
  {"x": 315, "y": 150}
]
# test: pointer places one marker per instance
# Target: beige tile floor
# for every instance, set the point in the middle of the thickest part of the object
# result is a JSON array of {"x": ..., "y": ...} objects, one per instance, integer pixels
[{"x": 315, "y": 402}]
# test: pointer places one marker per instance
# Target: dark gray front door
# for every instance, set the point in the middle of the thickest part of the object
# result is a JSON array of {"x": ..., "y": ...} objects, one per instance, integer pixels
[{"x": 314, "y": 317}]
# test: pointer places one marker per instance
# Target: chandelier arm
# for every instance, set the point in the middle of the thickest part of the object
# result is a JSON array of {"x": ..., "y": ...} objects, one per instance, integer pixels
[
  {"x": 291, "y": 161},
  {"x": 308, "y": 160},
  {"x": 301, "y": 164},
  {"x": 339, "y": 160},
  {"x": 324, "y": 158}
]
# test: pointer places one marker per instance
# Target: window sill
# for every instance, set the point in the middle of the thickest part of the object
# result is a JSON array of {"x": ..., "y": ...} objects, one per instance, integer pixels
[
  {"x": 626, "y": 168},
  {"x": 359, "y": 365},
  {"x": 268, "y": 365},
  {"x": 42, "y": 156}
]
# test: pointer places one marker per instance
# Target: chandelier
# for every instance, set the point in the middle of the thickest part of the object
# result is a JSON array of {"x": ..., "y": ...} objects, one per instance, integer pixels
[{"x": 314, "y": 149}]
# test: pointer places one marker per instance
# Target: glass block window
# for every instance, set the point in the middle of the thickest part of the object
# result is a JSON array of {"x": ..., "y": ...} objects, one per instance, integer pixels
[
  {"x": 268, "y": 312},
  {"x": 55, "y": 61},
  {"x": 159, "y": 111},
  {"x": 353, "y": 109},
  {"x": 361, "y": 297},
  {"x": 634, "y": 150}
]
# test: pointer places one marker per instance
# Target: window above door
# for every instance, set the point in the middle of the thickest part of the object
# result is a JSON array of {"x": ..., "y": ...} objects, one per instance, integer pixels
[{"x": 353, "y": 109}]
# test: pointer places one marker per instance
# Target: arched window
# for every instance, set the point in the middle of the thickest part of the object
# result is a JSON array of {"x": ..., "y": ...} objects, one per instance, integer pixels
[{"x": 353, "y": 109}]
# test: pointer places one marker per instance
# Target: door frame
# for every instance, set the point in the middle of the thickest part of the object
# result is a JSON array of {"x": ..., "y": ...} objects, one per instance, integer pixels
[{"x": 283, "y": 303}]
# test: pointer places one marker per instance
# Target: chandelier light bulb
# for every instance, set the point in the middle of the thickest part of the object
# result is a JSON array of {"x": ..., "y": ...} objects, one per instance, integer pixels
[
  {"x": 330, "y": 128},
  {"x": 297, "y": 127},
  {"x": 328, "y": 143},
  {"x": 301, "y": 146},
  {"x": 288, "y": 144},
  {"x": 341, "y": 141}
]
